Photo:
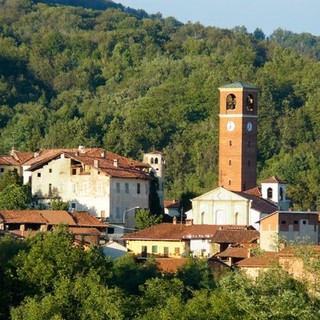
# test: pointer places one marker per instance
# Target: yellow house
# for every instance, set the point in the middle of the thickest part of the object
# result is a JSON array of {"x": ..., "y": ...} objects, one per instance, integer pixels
[{"x": 175, "y": 240}]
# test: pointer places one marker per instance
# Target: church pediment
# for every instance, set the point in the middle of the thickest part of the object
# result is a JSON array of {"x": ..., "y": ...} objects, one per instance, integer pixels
[{"x": 219, "y": 194}]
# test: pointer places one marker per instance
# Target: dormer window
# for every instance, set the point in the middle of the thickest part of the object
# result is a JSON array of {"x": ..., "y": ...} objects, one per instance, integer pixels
[{"x": 231, "y": 102}]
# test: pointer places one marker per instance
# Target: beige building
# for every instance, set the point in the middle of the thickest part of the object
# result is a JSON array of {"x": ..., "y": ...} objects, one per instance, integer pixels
[
  {"x": 94, "y": 180},
  {"x": 283, "y": 227}
]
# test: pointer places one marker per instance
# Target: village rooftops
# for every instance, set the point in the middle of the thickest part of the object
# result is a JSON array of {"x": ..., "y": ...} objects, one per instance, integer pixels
[{"x": 179, "y": 232}]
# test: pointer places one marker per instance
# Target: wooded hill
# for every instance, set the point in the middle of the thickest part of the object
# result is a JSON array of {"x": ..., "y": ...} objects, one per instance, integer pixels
[{"x": 132, "y": 83}]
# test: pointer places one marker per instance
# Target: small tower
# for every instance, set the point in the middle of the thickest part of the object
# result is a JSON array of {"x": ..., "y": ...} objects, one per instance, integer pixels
[
  {"x": 274, "y": 189},
  {"x": 156, "y": 160},
  {"x": 238, "y": 136}
]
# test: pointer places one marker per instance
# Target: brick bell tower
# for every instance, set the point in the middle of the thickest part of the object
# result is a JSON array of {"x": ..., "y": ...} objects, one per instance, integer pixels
[{"x": 238, "y": 136}]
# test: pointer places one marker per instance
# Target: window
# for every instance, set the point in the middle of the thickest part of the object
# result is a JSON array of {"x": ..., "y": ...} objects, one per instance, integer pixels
[
  {"x": 50, "y": 189},
  {"x": 126, "y": 186},
  {"x": 117, "y": 213},
  {"x": 50, "y": 170},
  {"x": 304, "y": 222},
  {"x": 231, "y": 102},
  {"x": 283, "y": 222},
  {"x": 154, "y": 249},
  {"x": 39, "y": 174},
  {"x": 229, "y": 162},
  {"x": 138, "y": 188},
  {"x": 295, "y": 222},
  {"x": 269, "y": 193},
  {"x": 250, "y": 102},
  {"x": 151, "y": 160},
  {"x": 229, "y": 182},
  {"x": 156, "y": 160},
  {"x": 118, "y": 187},
  {"x": 144, "y": 251},
  {"x": 177, "y": 250},
  {"x": 230, "y": 143},
  {"x": 110, "y": 230},
  {"x": 73, "y": 205},
  {"x": 166, "y": 251},
  {"x": 2, "y": 170},
  {"x": 74, "y": 171}
]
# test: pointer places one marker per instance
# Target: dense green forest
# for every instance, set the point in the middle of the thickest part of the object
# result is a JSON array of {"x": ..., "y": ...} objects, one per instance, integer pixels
[
  {"x": 46, "y": 277},
  {"x": 133, "y": 83}
]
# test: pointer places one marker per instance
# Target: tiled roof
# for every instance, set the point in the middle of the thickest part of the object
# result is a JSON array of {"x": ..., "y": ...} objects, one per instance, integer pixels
[
  {"x": 97, "y": 158},
  {"x": 22, "y": 216},
  {"x": 86, "y": 219},
  {"x": 291, "y": 251},
  {"x": 259, "y": 204},
  {"x": 177, "y": 232},
  {"x": 170, "y": 265},
  {"x": 234, "y": 252},
  {"x": 22, "y": 157},
  {"x": 55, "y": 217},
  {"x": 235, "y": 236},
  {"x": 266, "y": 259},
  {"x": 273, "y": 179},
  {"x": 254, "y": 192},
  {"x": 85, "y": 231},
  {"x": 171, "y": 204}
]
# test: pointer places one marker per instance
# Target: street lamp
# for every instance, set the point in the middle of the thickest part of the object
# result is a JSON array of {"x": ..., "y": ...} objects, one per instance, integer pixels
[{"x": 124, "y": 213}]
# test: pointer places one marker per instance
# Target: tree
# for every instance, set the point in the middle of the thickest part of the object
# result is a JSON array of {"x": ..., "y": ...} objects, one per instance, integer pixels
[
  {"x": 15, "y": 197},
  {"x": 58, "y": 204},
  {"x": 145, "y": 219}
]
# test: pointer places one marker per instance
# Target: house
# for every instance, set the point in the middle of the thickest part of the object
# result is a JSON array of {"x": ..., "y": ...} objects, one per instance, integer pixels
[
  {"x": 103, "y": 183},
  {"x": 114, "y": 249},
  {"x": 283, "y": 227},
  {"x": 25, "y": 223},
  {"x": 14, "y": 162},
  {"x": 175, "y": 240},
  {"x": 254, "y": 266},
  {"x": 171, "y": 208}
]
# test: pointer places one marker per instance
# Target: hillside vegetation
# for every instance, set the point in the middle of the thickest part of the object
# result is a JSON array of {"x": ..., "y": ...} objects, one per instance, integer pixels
[{"x": 132, "y": 83}]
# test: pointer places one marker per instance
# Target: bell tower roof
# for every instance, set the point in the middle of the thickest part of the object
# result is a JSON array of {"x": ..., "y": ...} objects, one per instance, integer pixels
[{"x": 239, "y": 85}]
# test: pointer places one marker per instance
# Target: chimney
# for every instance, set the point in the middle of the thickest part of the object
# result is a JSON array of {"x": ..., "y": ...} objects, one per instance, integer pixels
[
  {"x": 81, "y": 149},
  {"x": 103, "y": 154},
  {"x": 96, "y": 163},
  {"x": 249, "y": 253},
  {"x": 189, "y": 222},
  {"x": 116, "y": 163},
  {"x": 174, "y": 221}
]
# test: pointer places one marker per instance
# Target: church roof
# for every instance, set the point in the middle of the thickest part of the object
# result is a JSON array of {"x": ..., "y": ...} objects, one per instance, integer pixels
[{"x": 239, "y": 85}]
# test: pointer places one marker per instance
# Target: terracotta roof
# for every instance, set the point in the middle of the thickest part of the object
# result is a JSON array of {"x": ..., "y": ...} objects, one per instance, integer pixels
[
  {"x": 22, "y": 216},
  {"x": 8, "y": 161},
  {"x": 86, "y": 219},
  {"x": 85, "y": 231},
  {"x": 233, "y": 252},
  {"x": 235, "y": 236},
  {"x": 291, "y": 251},
  {"x": 170, "y": 265},
  {"x": 22, "y": 157},
  {"x": 254, "y": 191},
  {"x": 259, "y": 204},
  {"x": 96, "y": 158},
  {"x": 178, "y": 232},
  {"x": 171, "y": 204},
  {"x": 273, "y": 179},
  {"x": 55, "y": 217},
  {"x": 266, "y": 259}
]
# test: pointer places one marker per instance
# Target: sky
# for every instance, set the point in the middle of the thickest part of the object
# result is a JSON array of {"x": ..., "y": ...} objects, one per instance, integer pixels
[{"x": 293, "y": 15}]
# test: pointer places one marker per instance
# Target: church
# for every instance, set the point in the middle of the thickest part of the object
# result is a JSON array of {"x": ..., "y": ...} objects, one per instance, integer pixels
[{"x": 238, "y": 200}]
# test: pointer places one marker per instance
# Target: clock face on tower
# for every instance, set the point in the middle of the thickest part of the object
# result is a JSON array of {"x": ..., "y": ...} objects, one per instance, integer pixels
[
  {"x": 231, "y": 126},
  {"x": 249, "y": 126}
]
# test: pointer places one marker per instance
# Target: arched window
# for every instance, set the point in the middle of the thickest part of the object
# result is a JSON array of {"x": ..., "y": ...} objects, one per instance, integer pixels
[
  {"x": 236, "y": 218},
  {"x": 250, "y": 102},
  {"x": 151, "y": 160},
  {"x": 231, "y": 102},
  {"x": 269, "y": 193},
  {"x": 229, "y": 162},
  {"x": 156, "y": 160},
  {"x": 229, "y": 182},
  {"x": 202, "y": 217},
  {"x": 281, "y": 193}
]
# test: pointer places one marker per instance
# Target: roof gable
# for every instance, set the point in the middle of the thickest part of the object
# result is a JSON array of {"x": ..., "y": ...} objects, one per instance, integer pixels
[{"x": 219, "y": 194}]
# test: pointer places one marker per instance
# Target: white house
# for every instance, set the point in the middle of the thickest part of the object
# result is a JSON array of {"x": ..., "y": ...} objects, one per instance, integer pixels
[{"x": 94, "y": 180}]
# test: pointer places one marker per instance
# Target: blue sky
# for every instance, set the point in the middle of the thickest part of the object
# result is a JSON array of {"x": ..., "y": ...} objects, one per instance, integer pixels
[{"x": 293, "y": 15}]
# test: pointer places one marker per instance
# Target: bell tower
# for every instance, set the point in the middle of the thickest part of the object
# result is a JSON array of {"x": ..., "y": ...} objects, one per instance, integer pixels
[{"x": 238, "y": 136}]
